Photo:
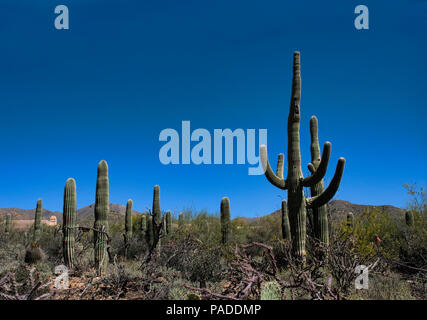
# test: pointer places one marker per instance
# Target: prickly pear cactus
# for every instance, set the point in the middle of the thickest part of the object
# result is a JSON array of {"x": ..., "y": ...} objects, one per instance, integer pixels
[
  {"x": 69, "y": 222},
  {"x": 271, "y": 291}
]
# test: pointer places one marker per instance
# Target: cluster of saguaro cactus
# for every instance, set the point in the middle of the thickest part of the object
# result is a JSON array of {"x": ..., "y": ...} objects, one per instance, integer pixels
[
  {"x": 409, "y": 218},
  {"x": 295, "y": 182},
  {"x": 225, "y": 220},
  {"x": 8, "y": 224},
  {"x": 69, "y": 222},
  {"x": 102, "y": 210},
  {"x": 37, "y": 231}
]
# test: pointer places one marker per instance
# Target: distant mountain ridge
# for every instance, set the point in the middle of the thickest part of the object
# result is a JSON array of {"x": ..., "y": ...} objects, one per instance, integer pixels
[
  {"x": 82, "y": 213},
  {"x": 338, "y": 210}
]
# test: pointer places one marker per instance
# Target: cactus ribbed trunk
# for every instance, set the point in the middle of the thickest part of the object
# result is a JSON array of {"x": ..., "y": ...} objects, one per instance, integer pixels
[
  {"x": 38, "y": 222},
  {"x": 69, "y": 222},
  {"x": 320, "y": 214},
  {"x": 102, "y": 210},
  {"x": 225, "y": 220},
  {"x": 286, "y": 229}
]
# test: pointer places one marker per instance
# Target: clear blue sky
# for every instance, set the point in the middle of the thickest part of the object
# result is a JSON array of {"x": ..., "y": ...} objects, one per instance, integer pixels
[{"x": 128, "y": 69}]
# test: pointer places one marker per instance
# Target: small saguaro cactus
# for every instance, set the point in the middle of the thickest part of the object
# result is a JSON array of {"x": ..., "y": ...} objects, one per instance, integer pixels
[
  {"x": 8, "y": 223},
  {"x": 168, "y": 222},
  {"x": 128, "y": 219},
  {"x": 350, "y": 220},
  {"x": 409, "y": 218},
  {"x": 128, "y": 225},
  {"x": 149, "y": 235},
  {"x": 295, "y": 182},
  {"x": 271, "y": 291},
  {"x": 38, "y": 221},
  {"x": 225, "y": 220},
  {"x": 143, "y": 224},
  {"x": 102, "y": 210},
  {"x": 181, "y": 221},
  {"x": 69, "y": 222},
  {"x": 157, "y": 217},
  {"x": 286, "y": 229}
]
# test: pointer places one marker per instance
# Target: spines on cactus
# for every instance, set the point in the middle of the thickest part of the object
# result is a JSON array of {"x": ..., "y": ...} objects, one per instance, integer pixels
[
  {"x": 69, "y": 222},
  {"x": 102, "y": 210},
  {"x": 295, "y": 182},
  {"x": 38, "y": 221},
  {"x": 225, "y": 220}
]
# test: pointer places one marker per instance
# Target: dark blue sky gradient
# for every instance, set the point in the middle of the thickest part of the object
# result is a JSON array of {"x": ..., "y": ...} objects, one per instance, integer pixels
[{"x": 128, "y": 69}]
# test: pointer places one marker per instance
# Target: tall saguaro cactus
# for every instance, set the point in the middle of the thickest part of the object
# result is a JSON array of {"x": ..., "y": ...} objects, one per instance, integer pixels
[
  {"x": 69, "y": 222},
  {"x": 181, "y": 221},
  {"x": 295, "y": 181},
  {"x": 225, "y": 220},
  {"x": 38, "y": 221},
  {"x": 286, "y": 229},
  {"x": 102, "y": 210}
]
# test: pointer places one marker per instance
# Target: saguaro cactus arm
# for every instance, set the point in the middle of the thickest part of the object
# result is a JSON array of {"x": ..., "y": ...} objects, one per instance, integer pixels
[
  {"x": 280, "y": 164},
  {"x": 274, "y": 179},
  {"x": 330, "y": 191},
  {"x": 317, "y": 175}
]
